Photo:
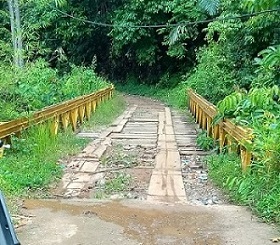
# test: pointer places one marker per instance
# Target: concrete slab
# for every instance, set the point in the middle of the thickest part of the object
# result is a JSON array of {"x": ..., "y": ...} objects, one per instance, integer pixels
[
  {"x": 76, "y": 185},
  {"x": 81, "y": 177},
  {"x": 89, "y": 166}
]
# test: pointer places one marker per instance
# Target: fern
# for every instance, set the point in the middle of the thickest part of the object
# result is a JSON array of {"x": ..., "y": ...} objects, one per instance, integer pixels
[
  {"x": 176, "y": 33},
  {"x": 230, "y": 102},
  {"x": 210, "y": 6}
]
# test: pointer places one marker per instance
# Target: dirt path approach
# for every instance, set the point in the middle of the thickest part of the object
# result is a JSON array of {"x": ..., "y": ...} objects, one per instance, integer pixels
[{"x": 141, "y": 181}]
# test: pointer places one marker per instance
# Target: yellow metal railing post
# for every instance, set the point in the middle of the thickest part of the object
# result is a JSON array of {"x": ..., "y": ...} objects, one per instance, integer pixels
[
  {"x": 65, "y": 118},
  {"x": 55, "y": 125},
  {"x": 74, "y": 118},
  {"x": 1, "y": 148},
  {"x": 246, "y": 157},
  {"x": 81, "y": 113},
  {"x": 226, "y": 132},
  {"x": 88, "y": 110}
]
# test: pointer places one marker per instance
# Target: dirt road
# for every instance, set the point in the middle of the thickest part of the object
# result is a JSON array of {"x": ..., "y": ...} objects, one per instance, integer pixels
[{"x": 141, "y": 181}]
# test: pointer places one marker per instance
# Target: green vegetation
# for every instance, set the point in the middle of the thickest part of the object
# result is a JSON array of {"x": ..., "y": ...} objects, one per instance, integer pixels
[
  {"x": 31, "y": 165},
  {"x": 174, "y": 97},
  {"x": 204, "y": 142},
  {"x": 257, "y": 188},
  {"x": 106, "y": 113},
  {"x": 116, "y": 182},
  {"x": 37, "y": 85}
]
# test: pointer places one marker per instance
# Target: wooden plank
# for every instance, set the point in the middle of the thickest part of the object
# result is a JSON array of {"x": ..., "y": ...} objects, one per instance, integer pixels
[
  {"x": 160, "y": 160},
  {"x": 158, "y": 184},
  {"x": 173, "y": 160},
  {"x": 166, "y": 186},
  {"x": 143, "y": 120},
  {"x": 175, "y": 186},
  {"x": 133, "y": 136},
  {"x": 168, "y": 118},
  {"x": 161, "y": 119},
  {"x": 193, "y": 153}
]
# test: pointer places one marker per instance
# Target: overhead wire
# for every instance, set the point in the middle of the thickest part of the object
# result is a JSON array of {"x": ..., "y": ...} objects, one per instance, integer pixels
[{"x": 183, "y": 23}]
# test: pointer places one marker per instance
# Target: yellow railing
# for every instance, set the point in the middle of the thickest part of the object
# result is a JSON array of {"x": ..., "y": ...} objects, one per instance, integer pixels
[
  {"x": 64, "y": 114},
  {"x": 228, "y": 134}
]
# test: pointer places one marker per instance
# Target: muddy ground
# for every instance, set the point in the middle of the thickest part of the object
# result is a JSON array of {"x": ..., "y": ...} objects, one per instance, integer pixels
[{"x": 80, "y": 222}]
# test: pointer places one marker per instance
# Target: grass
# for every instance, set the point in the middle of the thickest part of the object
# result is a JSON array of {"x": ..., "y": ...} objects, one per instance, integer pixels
[
  {"x": 257, "y": 188},
  {"x": 31, "y": 165},
  {"x": 106, "y": 113},
  {"x": 116, "y": 182}
]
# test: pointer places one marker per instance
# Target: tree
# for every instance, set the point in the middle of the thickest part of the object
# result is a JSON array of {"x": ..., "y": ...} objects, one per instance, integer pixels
[{"x": 16, "y": 32}]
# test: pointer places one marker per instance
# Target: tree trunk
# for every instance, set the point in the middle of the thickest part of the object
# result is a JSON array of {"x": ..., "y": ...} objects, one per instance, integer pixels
[
  {"x": 16, "y": 32},
  {"x": 12, "y": 22}
]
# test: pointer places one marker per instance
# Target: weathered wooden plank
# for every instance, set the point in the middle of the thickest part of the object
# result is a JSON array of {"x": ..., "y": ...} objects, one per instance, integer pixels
[{"x": 133, "y": 136}]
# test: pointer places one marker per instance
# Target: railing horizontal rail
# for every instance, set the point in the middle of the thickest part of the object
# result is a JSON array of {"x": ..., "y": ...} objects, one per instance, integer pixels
[
  {"x": 226, "y": 132},
  {"x": 66, "y": 112}
]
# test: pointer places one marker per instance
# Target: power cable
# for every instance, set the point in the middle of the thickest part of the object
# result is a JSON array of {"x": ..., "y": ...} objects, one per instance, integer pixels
[{"x": 184, "y": 23}]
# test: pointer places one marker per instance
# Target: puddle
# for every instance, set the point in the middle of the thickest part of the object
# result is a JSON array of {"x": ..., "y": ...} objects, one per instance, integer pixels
[{"x": 148, "y": 224}]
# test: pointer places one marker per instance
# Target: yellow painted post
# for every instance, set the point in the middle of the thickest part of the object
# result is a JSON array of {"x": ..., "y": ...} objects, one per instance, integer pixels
[
  {"x": 193, "y": 108},
  {"x": 81, "y": 112},
  {"x": 204, "y": 120},
  {"x": 200, "y": 116},
  {"x": 196, "y": 112},
  {"x": 232, "y": 146},
  {"x": 65, "y": 118},
  {"x": 93, "y": 104},
  {"x": 74, "y": 118},
  {"x": 88, "y": 110},
  {"x": 55, "y": 125},
  {"x": 229, "y": 144},
  {"x": 1, "y": 148},
  {"x": 216, "y": 130},
  {"x": 111, "y": 92},
  {"x": 209, "y": 126},
  {"x": 246, "y": 157},
  {"x": 222, "y": 137}
]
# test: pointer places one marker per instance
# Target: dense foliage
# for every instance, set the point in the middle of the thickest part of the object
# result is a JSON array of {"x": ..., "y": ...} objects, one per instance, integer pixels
[
  {"x": 258, "y": 189},
  {"x": 149, "y": 40},
  {"x": 37, "y": 86}
]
